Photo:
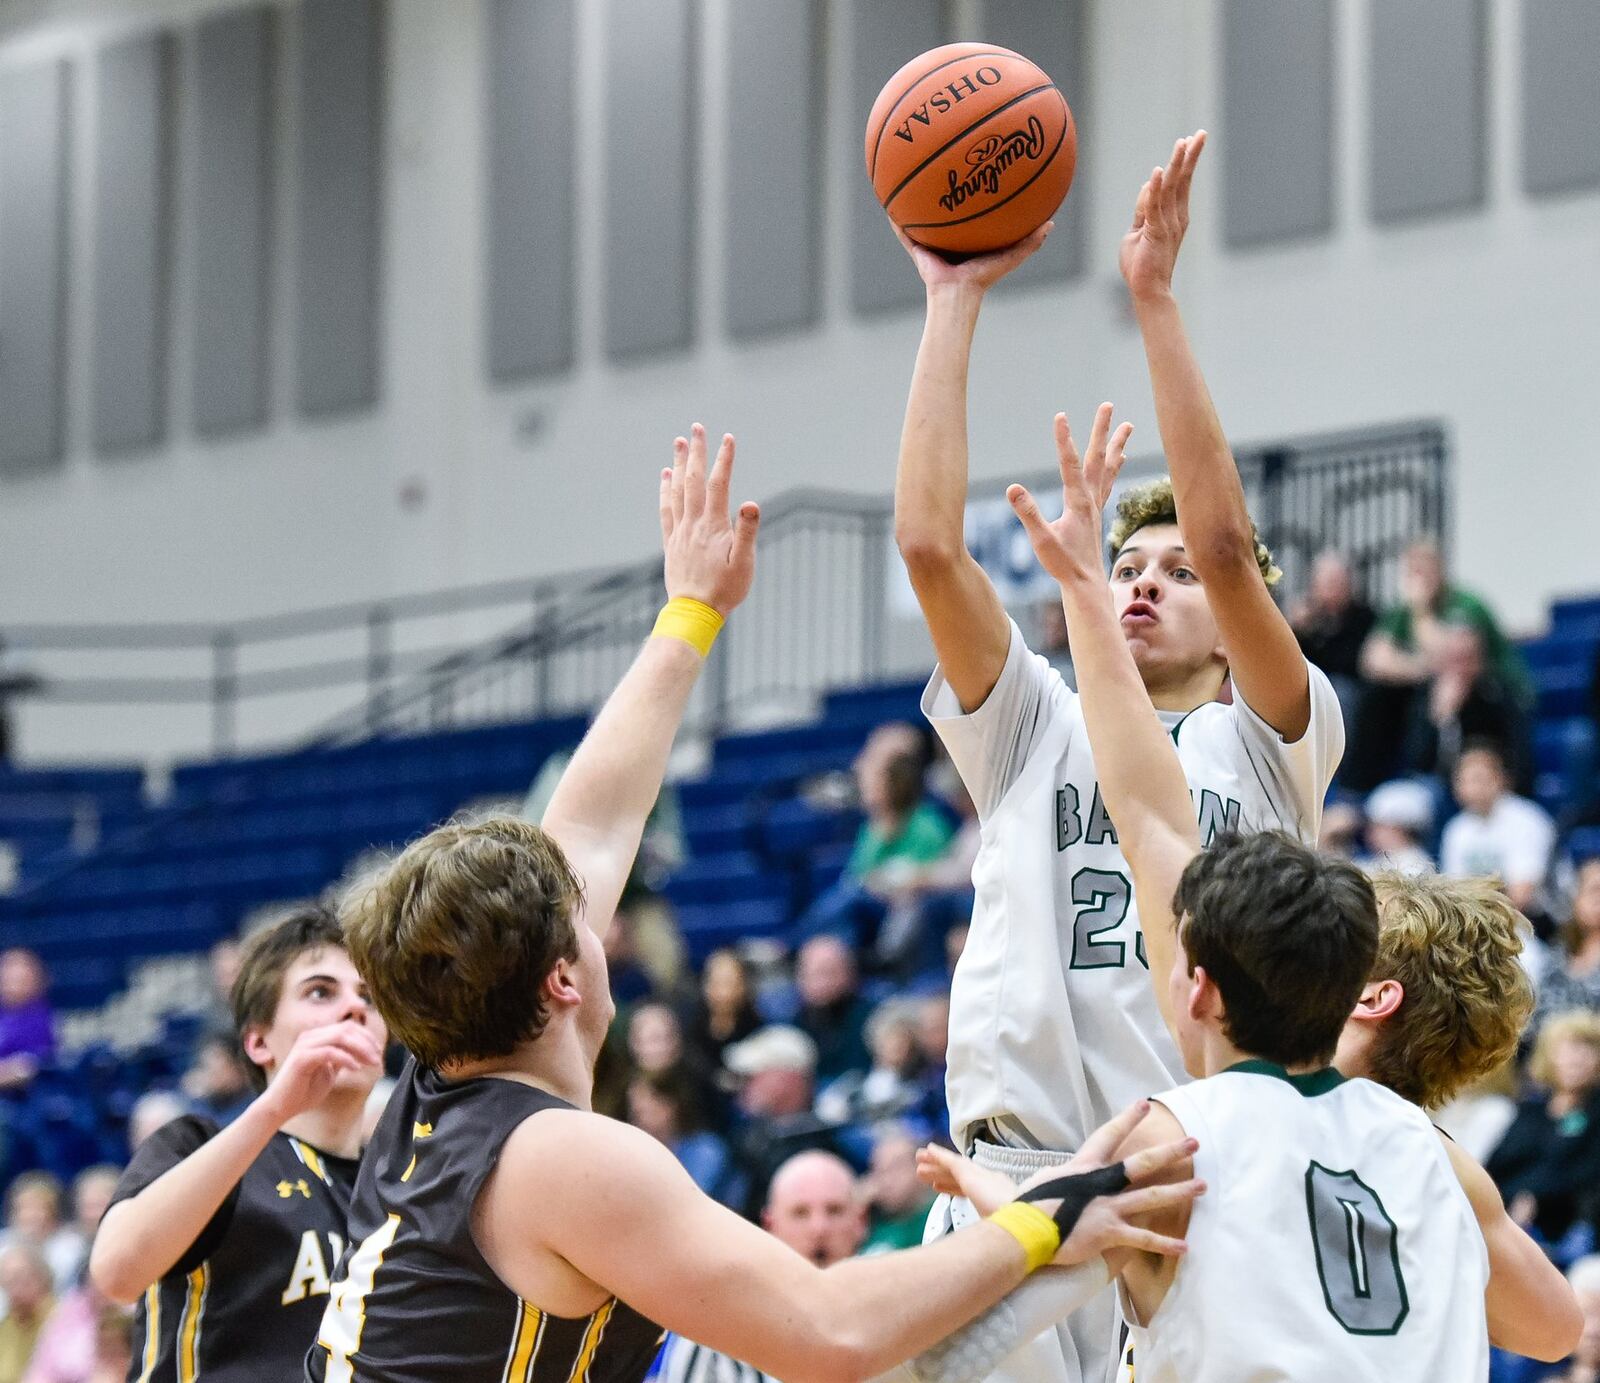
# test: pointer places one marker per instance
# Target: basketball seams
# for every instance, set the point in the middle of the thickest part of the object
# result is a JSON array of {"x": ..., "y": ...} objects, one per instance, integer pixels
[
  {"x": 1039, "y": 172},
  {"x": 877, "y": 141},
  {"x": 956, "y": 139}
]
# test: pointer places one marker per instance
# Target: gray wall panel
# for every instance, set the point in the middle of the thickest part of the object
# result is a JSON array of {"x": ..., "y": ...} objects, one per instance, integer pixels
[
  {"x": 132, "y": 242},
  {"x": 530, "y": 62},
  {"x": 34, "y": 139},
  {"x": 774, "y": 202},
  {"x": 1052, "y": 33},
  {"x": 1277, "y": 155},
  {"x": 886, "y": 34},
  {"x": 337, "y": 248},
  {"x": 1427, "y": 103},
  {"x": 231, "y": 215},
  {"x": 652, "y": 64},
  {"x": 1561, "y": 95}
]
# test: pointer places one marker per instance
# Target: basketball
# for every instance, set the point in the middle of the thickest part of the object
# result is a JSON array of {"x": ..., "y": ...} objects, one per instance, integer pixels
[{"x": 970, "y": 148}]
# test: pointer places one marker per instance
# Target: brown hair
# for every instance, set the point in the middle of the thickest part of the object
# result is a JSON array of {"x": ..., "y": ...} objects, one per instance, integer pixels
[
  {"x": 1571, "y": 933},
  {"x": 1154, "y": 502},
  {"x": 1454, "y": 946},
  {"x": 1288, "y": 936},
  {"x": 266, "y": 956},
  {"x": 456, "y": 937}
]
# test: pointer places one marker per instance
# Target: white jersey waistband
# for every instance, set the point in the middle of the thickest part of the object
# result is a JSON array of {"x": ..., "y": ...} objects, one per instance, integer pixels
[{"x": 1017, "y": 1161}]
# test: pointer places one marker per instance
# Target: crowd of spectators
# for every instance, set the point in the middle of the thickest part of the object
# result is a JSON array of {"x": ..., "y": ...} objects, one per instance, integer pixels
[{"x": 795, "y": 1081}]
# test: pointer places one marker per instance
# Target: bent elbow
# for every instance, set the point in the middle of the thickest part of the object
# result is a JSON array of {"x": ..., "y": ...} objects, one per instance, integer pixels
[
  {"x": 1566, "y": 1330},
  {"x": 928, "y": 556},
  {"x": 117, "y": 1276}
]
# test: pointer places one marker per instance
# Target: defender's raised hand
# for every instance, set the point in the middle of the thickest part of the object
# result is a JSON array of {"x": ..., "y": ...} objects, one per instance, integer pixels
[
  {"x": 979, "y": 272},
  {"x": 1150, "y": 248},
  {"x": 1069, "y": 548},
  {"x": 709, "y": 557}
]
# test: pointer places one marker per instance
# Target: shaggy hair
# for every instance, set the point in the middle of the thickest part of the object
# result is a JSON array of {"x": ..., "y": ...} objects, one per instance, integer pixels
[
  {"x": 1454, "y": 945},
  {"x": 457, "y": 936},
  {"x": 1154, "y": 503}
]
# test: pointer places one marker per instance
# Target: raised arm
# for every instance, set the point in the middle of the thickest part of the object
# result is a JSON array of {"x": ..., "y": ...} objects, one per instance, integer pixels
[
  {"x": 1263, "y": 656},
  {"x": 1145, "y": 790},
  {"x": 963, "y": 612},
  {"x": 598, "y": 810},
  {"x": 142, "y": 1238}
]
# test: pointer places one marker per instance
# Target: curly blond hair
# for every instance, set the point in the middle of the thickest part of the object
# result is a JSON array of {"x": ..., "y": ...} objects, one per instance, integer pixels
[
  {"x": 456, "y": 937},
  {"x": 1154, "y": 502},
  {"x": 1454, "y": 945}
]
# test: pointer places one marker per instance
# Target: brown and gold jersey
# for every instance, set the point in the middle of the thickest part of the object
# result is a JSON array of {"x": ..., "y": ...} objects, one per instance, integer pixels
[
  {"x": 415, "y": 1301},
  {"x": 244, "y": 1302}
]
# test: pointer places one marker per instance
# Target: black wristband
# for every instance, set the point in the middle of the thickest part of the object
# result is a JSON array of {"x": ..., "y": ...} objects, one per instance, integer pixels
[{"x": 1075, "y": 1191}]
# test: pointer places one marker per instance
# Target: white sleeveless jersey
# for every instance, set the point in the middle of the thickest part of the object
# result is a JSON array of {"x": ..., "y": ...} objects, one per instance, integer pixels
[
  {"x": 1334, "y": 1243},
  {"x": 1053, "y": 1024}
]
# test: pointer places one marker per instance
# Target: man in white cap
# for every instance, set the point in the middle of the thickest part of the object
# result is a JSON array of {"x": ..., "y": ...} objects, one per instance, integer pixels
[
  {"x": 776, "y": 1067},
  {"x": 1399, "y": 817}
]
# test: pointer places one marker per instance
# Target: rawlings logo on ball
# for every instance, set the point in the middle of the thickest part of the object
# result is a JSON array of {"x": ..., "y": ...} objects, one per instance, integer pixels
[{"x": 990, "y": 158}]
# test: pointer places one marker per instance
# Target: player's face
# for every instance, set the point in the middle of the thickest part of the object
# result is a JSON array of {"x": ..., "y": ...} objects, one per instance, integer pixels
[
  {"x": 322, "y": 987},
  {"x": 594, "y": 984},
  {"x": 1186, "y": 1030},
  {"x": 1162, "y": 606}
]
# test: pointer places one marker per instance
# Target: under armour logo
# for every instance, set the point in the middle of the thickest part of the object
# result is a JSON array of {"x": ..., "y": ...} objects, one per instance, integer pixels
[{"x": 288, "y": 1188}]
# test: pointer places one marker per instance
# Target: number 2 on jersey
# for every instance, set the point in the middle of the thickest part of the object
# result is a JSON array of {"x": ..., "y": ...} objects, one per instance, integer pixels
[
  {"x": 1358, "y": 1252},
  {"x": 1102, "y": 897}
]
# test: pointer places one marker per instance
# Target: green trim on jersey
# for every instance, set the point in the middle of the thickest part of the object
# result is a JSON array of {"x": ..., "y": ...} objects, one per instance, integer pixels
[{"x": 1311, "y": 1084}]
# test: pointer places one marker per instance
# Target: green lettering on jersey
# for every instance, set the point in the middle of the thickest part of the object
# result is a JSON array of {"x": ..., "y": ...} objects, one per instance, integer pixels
[
  {"x": 1100, "y": 827},
  {"x": 1216, "y": 816},
  {"x": 1069, "y": 828}
]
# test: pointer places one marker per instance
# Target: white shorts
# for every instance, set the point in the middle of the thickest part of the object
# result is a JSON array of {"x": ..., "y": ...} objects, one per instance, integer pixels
[{"x": 1084, "y": 1349}]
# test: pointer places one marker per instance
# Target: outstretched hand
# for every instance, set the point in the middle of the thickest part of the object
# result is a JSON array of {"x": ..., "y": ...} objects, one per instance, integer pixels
[
  {"x": 1149, "y": 251},
  {"x": 1069, "y": 547},
  {"x": 709, "y": 557},
  {"x": 980, "y": 272}
]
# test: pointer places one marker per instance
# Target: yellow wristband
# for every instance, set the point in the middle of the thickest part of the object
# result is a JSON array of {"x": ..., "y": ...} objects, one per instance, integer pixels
[
  {"x": 1030, "y": 1227},
  {"x": 693, "y": 621}
]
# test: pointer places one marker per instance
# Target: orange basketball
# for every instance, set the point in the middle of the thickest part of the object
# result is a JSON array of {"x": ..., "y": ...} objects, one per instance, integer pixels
[{"x": 970, "y": 148}]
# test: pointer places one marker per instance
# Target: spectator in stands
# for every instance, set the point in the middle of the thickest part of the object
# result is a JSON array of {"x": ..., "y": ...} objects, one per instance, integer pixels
[
  {"x": 891, "y": 1086},
  {"x": 933, "y": 1041},
  {"x": 813, "y": 1207},
  {"x": 27, "y": 1022},
  {"x": 655, "y": 1048},
  {"x": 897, "y": 1199},
  {"x": 666, "y": 1105},
  {"x": 1340, "y": 832},
  {"x": 113, "y": 1346},
  {"x": 218, "y": 1082},
  {"x": 25, "y": 1280},
  {"x": 1496, "y": 832},
  {"x": 1584, "y": 1366},
  {"x": 926, "y": 900},
  {"x": 903, "y": 831},
  {"x": 1332, "y": 624},
  {"x": 91, "y": 1195},
  {"x": 70, "y": 1340},
  {"x": 33, "y": 1217},
  {"x": 152, "y": 1110},
  {"x": 777, "y": 1066},
  {"x": 630, "y": 981},
  {"x": 1402, "y": 654},
  {"x": 1465, "y": 702},
  {"x": 832, "y": 1012},
  {"x": 223, "y": 959},
  {"x": 1572, "y": 981},
  {"x": 1399, "y": 818},
  {"x": 725, "y": 1011},
  {"x": 1548, "y": 1164}
]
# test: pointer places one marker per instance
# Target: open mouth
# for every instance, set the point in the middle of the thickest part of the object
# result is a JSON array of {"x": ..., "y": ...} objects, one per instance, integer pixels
[{"x": 1139, "y": 615}]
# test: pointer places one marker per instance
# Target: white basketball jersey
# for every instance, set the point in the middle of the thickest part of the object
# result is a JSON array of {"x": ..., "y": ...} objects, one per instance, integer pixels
[
  {"x": 1334, "y": 1243},
  {"x": 1053, "y": 1024}
]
